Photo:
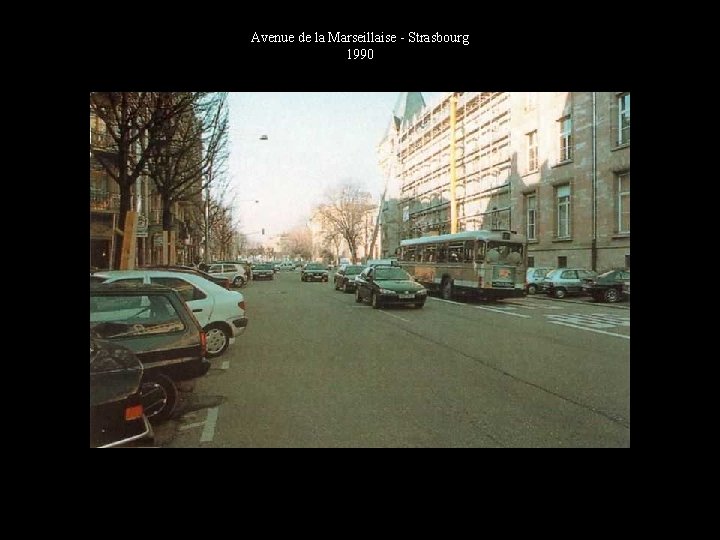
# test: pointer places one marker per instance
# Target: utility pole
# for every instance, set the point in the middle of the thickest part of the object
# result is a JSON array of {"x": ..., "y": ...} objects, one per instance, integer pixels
[{"x": 453, "y": 172}]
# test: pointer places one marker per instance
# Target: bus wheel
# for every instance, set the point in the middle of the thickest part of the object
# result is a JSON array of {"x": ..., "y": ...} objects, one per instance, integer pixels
[{"x": 446, "y": 289}]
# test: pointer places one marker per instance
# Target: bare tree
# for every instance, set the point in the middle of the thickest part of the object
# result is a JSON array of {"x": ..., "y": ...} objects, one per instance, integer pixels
[
  {"x": 343, "y": 212},
  {"x": 298, "y": 242},
  {"x": 193, "y": 150},
  {"x": 128, "y": 118}
]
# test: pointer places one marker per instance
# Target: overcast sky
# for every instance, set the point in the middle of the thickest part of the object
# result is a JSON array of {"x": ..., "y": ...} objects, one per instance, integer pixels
[{"x": 315, "y": 140}]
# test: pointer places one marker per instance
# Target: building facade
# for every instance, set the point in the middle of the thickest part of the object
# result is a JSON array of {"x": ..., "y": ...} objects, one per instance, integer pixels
[{"x": 554, "y": 166}]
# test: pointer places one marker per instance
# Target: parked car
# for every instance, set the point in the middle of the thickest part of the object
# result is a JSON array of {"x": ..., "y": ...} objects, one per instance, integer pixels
[
  {"x": 287, "y": 265},
  {"x": 233, "y": 272},
  {"x": 344, "y": 278},
  {"x": 314, "y": 272},
  {"x": 156, "y": 324},
  {"x": 263, "y": 271},
  {"x": 384, "y": 285},
  {"x": 216, "y": 279},
  {"x": 116, "y": 411},
  {"x": 606, "y": 287},
  {"x": 220, "y": 312},
  {"x": 534, "y": 277},
  {"x": 561, "y": 282}
]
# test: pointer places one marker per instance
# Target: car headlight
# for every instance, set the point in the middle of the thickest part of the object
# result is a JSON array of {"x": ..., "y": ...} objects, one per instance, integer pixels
[
  {"x": 421, "y": 291},
  {"x": 387, "y": 291}
]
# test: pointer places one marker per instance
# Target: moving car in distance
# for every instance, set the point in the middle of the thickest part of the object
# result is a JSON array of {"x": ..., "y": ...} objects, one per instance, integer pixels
[
  {"x": 385, "y": 285},
  {"x": 314, "y": 272}
]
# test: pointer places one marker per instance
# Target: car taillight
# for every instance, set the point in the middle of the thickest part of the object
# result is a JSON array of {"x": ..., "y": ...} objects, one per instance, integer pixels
[
  {"x": 203, "y": 344},
  {"x": 134, "y": 412},
  {"x": 241, "y": 305}
]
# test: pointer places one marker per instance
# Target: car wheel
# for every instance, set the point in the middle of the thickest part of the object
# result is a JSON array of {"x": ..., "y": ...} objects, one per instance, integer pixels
[
  {"x": 344, "y": 287},
  {"x": 218, "y": 340},
  {"x": 158, "y": 395},
  {"x": 560, "y": 293},
  {"x": 446, "y": 289},
  {"x": 336, "y": 285},
  {"x": 612, "y": 295},
  {"x": 419, "y": 305},
  {"x": 532, "y": 288},
  {"x": 358, "y": 298},
  {"x": 238, "y": 282},
  {"x": 376, "y": 301}
]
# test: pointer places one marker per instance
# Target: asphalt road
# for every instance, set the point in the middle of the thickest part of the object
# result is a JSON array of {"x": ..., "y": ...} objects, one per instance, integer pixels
[{"x": 315, "y": 369}]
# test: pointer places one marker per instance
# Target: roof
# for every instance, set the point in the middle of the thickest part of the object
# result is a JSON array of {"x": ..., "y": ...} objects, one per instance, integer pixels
[{"x": 408, "y": 105}]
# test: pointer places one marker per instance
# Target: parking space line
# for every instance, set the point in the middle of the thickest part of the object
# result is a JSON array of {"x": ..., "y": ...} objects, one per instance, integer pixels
[
  {"x": 590, "y": 329},
  {"x": 191, "y": 426},
  {"x": 503, "y": 311},
  {"x": 391, "y": 315},
  {"x": 446, "y": 301},
  {"x": 208, "y": 431}
]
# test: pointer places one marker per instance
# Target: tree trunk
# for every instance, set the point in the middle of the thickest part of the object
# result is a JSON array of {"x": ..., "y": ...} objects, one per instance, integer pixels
[{"x": 125, "y": 206}]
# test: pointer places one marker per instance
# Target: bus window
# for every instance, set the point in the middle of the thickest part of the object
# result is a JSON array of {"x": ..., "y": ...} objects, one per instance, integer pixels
[
  {"x": 480, "y": 251},
  {"x": 408, "y": 253},
  {"x": 442, "y": 253},
  {"x": 456, "y": 252},
  {"x": 468, "y": 251},
  {"x": 428, "y": 253}
]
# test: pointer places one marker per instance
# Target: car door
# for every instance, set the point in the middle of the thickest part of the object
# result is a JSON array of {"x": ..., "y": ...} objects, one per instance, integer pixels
[
  {"x": 199, "y": 303},
  {"x": 361, "y": 282},
  {"x": 571, "y": 281}
]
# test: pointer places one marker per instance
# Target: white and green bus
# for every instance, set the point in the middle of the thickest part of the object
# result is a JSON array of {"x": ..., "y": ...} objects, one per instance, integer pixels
[{"x": 488, "y": 264}]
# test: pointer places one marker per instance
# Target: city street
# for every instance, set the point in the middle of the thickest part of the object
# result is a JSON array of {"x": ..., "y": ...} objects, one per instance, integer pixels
[{"x": 316, "y": 369}]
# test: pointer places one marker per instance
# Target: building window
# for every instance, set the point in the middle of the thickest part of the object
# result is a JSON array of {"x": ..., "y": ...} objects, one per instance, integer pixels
[
  {"x": 563, "y": 211},
  {"x": 532, "y": 151},
  {"x": 531, "y": 217},
  {"x": 627, "y": 261},
  {"x": 623, "y": 202},
  {"x": 566, "y": 139},
  {"x": 624, "y": 118},
  {"x": 562, "y": 262},
  {"x": 531, "y": 262}
]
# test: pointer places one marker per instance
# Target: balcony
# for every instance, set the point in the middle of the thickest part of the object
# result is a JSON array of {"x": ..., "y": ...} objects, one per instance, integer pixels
[{"x": 102, "y": 200}]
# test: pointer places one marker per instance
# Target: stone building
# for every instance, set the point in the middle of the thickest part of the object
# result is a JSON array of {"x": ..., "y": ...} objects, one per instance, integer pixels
[{"x": 554, "y": 166}]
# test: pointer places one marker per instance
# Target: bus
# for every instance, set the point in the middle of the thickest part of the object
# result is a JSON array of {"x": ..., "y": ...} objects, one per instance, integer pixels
[{"x": 487, "y": 264}]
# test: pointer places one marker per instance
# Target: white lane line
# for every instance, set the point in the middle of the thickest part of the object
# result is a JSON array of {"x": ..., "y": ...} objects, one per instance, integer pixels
[
  {"x": 447, "y": 301},
  {"x": 191, "y": 426},
  {"x": 391, "y": 315},
  {"x": 503, "y": 311},
  {"x": 590, "y": 329},
  {"x": 208, "y": 431},
  {"x": 225, "y": 365}
]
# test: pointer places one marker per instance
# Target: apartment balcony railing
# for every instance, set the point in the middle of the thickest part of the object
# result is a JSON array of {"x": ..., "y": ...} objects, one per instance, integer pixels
[{"x": 104, "y": 200}]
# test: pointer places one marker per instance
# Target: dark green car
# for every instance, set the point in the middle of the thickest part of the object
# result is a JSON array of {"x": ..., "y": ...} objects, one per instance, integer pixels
[{"x": 386, "y": 285}]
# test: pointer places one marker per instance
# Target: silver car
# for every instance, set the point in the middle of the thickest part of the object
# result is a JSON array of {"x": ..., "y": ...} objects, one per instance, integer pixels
[
  {"x": 564, "y": 281},
  {"x": 232, "y": 271},
  {"x": 534, "y": 278}
]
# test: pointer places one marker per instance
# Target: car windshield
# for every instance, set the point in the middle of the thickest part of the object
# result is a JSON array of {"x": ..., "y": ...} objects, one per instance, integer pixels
[
  {"x": 350, "y": 270},
  {"x": 391, "y": 273},
  {"x": 315, "y": 266},
  {"x": 264, "y": 267}
]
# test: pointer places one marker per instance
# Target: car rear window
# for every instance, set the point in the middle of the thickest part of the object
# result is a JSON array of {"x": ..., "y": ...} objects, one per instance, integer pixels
[{"x": 115, "y": 316}]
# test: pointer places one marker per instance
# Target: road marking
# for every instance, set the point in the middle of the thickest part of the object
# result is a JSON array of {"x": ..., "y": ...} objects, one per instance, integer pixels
[
  {"x": 594, "y": 320},
  {"x": 191, "y": 426},
  {"x": 391, "y": 315},
  {"x": 208, "y": 431},
  {"x": 225, "y": 365},
  {"x": 591, "y": 329},
  {"x": 503, "y": 311},
  {"x": 447, "y": 301}
]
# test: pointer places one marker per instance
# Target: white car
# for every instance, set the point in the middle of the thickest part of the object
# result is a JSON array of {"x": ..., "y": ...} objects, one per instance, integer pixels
[
  {"x": 220, "y": 312},
  {"x": 232, "y": 271}
]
